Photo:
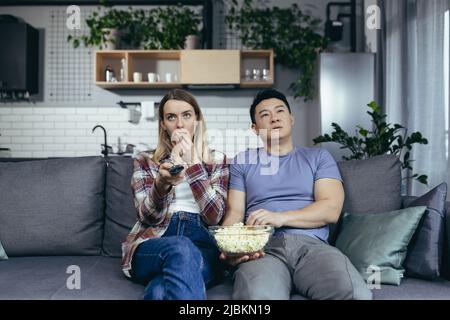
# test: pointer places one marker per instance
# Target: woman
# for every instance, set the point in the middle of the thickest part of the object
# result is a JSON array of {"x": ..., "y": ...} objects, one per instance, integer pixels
[{"x": 169, "y": 249}]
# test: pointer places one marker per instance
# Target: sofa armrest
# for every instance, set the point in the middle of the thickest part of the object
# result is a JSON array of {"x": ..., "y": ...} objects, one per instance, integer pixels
[{"x": 446, "y": 255}]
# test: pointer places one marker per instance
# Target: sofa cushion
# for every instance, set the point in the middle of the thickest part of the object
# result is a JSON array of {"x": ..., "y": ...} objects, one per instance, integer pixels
[
  {"x": 52, "y": 207},
  {"x": 414, "y": 289},
  {"x": 379, "y": 240},
  {"x": 47, "y": 278},
  {"x": 424, "y": 256},
  {"x": 371, "y": 185},
  {"x": 410, "y": 289},
  {"x": 101, "y": 278},
  {"x": 120, "y": 211}
]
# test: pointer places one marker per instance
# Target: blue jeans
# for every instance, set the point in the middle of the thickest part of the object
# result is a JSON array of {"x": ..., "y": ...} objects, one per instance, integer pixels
[{"x": 181, "y": 264}]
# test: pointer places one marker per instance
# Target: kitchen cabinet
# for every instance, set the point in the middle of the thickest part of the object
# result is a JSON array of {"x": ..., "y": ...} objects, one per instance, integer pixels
[
  {"x": 210, "y": 66},
  {"x": 179, "y": 68}
]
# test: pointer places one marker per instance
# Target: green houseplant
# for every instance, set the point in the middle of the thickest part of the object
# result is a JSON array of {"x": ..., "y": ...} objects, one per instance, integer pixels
[
  {"x": 157, "y": 28},
  {"x": 291, "y": 33},
  {"x": 100, "y": 27},
  {"x": 385, "y": 138},
  {"x": 173, "y": 25}
]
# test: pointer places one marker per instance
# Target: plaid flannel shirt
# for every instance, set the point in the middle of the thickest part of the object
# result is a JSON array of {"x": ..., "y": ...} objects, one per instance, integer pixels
[{"x": 209, "y": 184}]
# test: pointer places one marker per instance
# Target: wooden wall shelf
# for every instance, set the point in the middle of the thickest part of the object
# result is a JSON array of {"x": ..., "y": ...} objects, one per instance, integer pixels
[{"x": 186, "y": 67}]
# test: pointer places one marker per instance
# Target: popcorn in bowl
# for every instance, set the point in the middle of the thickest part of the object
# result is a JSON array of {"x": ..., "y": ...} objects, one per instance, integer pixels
[{"x": 239, "y": 239}]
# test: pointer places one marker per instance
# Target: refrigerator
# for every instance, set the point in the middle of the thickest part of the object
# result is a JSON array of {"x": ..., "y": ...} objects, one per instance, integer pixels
[{"x": 346, "y": 86}]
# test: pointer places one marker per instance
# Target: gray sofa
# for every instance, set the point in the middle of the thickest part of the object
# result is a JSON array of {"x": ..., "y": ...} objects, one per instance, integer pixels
[{"x": 60, "y": 213}]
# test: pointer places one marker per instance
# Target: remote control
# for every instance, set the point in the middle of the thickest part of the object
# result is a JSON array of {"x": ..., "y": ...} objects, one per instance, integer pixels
[{"x": 176, "y": 169}]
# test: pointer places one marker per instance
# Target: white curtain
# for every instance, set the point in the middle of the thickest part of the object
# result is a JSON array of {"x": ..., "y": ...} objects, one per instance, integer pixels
[{"x": 414, "y": 82}]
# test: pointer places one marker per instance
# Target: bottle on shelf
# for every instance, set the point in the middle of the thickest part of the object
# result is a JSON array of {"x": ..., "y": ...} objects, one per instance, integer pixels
[
  {"x": 109, "y": 74},
  {"x": 266, "y": 75},
  {"x": 122, "y": 70},
  {"x": 248, "y": 75}
]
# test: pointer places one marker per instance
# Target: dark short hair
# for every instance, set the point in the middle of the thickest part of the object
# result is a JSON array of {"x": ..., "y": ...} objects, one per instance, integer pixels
[{"x": 267, "y": 94}]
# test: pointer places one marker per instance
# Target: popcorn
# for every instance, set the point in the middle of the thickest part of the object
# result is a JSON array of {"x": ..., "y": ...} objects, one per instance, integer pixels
[{"x": 239, "y": 239}]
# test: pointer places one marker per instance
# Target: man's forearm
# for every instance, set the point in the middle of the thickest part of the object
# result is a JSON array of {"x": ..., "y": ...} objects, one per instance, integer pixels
[
  {"x": 315, "y": 215},
  {"x": 232, "y": 218}
]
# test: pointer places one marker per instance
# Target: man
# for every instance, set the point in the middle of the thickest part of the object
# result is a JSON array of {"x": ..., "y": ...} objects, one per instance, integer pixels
[{"x": 299, "y": 191}]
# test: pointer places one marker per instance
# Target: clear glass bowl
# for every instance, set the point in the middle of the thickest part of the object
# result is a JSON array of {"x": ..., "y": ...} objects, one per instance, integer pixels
[{"x": 238, "y": 240}]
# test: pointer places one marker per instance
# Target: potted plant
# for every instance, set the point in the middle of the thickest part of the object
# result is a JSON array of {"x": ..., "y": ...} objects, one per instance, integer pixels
[
  {"x": 385, "y": 138},
  {"x": 139, "y": 28},
  {"x": 173, "y": 25},
  {"x": 159, "y": 28},
  {"x": 192, "y": 41},
  {"x": 110, "y": 38},
  {"x": 292, "y": 34},
  {"x": 104, "y": 29}
]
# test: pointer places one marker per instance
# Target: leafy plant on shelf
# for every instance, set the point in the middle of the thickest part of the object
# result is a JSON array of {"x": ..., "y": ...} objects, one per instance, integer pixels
[
  {"x": 173, "y": 24},
  {"x": 99, "y": 27},
  {"x": 292, "y": 34},
  {"x": 385, "y": 138},
  {"x": 138, "y": 30},
  {"x": 158, "y": 28}
]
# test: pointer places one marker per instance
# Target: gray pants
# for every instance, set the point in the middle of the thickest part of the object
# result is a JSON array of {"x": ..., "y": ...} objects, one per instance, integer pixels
[{"x": 299, "y": 264}]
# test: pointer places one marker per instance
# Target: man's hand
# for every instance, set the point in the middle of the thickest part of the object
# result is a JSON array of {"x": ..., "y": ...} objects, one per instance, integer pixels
[
  {"x": 235, "y": 213},
  {"x": 266, "y": 217},
  {"x": 234, "y": 261}
]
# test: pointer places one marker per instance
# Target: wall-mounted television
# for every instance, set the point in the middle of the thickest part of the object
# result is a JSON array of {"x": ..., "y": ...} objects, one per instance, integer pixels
[{"x": 19, "y": 56}]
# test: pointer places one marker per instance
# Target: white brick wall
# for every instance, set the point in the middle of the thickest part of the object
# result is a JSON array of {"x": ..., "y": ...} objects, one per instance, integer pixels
[{"x": 67, "y": 132}]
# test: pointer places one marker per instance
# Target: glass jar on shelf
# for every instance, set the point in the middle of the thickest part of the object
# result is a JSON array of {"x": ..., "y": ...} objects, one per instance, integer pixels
[
  {"x": 266, "y": 75},
  {"x": 256, "y": 75},
  {"x": 109, "y": 74},
  {"x": 247, "y": 75}
]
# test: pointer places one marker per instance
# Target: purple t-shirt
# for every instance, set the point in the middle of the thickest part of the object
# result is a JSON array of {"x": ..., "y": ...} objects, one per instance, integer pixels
[{"x": 280, "y": 183}]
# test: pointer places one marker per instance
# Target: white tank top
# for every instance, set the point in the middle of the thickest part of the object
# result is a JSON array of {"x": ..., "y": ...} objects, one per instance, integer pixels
[{"x": 184, "y": 199}]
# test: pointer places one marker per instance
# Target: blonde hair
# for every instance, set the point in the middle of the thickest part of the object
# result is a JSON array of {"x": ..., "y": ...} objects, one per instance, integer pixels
[{"x": 164, "y": 147}]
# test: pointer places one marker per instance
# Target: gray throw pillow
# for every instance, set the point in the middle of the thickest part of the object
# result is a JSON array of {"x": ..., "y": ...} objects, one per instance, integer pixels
[
  {"x": 424, "y": 257},
  {"x": 379, "y": 240},
  {"x": 371, "y": 185},
  {"x": 3, "y": 255},
  {"x": 120, "y": 212}
]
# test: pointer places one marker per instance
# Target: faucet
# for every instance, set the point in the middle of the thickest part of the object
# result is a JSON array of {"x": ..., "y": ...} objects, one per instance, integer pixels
[{"x": 105, "y": 145}]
